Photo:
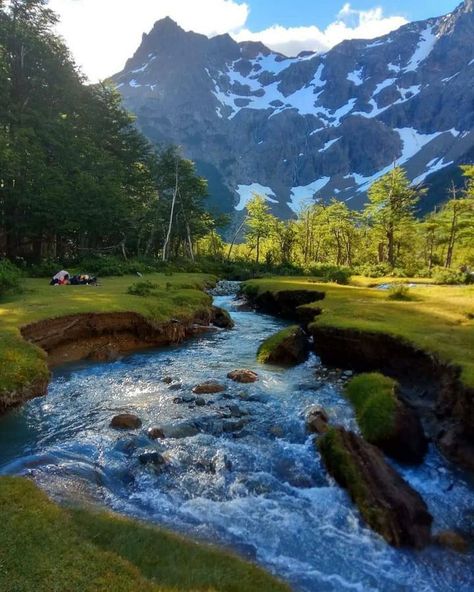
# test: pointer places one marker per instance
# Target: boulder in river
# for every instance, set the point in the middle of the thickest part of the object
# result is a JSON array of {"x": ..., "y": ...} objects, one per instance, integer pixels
[
  {"x": 156, "y": 434},
  {"x": 209, "y": 388},
  {"x": 287, "y": 347},
  {"x": 384, "y": 419},
  {"x": 152, "y": 458},
  {"x": 126, "y": 421},
  {"x": 388, "y": 504},
  {"x": 221, "y": 318},
  {"x": 317, "y": 420},
  {"x": 243, "y": 376},
  {"x": 185, "y": 429}
]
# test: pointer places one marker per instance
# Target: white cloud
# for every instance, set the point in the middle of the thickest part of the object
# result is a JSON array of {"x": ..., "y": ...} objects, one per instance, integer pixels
[
  {"x": 103, "y": 34},
  {"x": 349, "y": 24}
]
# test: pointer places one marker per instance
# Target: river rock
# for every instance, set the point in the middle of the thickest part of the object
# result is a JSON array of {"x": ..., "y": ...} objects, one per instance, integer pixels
[
  {"x": 156, "y": 434},
  {"x": 200, "y": 402},
  {"x": 209, "y": 388},
  {"x": 126, "y": 421},
  {"x": 152, "y": 458},
  {"x": 389, "y": 505},
  {"x": 175, "y": 386},
  {"x": 408, "y": 443},
  {"x": 167, "y": 380},
  {"x": 243, "y": 376},
  {"x": 234, "y": 425},
  {"x": 186, "y": 429},
  {"x": 451, "y": 540},
  {"x": 221, "y": 318},
  {"x": 317, "y": 420}
]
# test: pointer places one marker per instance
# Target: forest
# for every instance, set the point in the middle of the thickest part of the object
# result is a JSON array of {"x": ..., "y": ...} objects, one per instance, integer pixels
[{"x": 80, "y": 185}]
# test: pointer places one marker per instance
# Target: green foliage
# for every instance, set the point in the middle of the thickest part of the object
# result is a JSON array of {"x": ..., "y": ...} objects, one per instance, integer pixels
[
  {"x": 83, "y": 550},
  {"x": 271, "y": 344},
  {"x": 400, "y": 292},
  {"x": 375, "y": 403},
  {"x": 10, "y": 278},
  {"x": 442, "y": 275},
  {"x": 330, "y": 273},
  {"x": 142, "y": 288}
]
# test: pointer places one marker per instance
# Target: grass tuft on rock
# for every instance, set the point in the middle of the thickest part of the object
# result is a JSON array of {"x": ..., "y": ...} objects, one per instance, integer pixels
[
  {"x": 373, "y": 396},
  {"x": 47, "y": 548},
  {"x": 269, "y": 346}
]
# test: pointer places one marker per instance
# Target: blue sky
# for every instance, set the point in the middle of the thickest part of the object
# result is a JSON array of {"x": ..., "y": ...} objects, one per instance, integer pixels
[
  {"x": 103, "y": 34},
  {"x": 264, "y": 13}
]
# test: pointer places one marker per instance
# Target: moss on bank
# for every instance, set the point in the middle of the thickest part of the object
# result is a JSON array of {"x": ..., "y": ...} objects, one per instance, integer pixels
[
  {"x": 439, "y": 321},
  {"x": 268, "y": 348},
  {"x": 46, "y": 548},
  {"x": 21, "y": 364},
  {"x": 375, "y": 403}
]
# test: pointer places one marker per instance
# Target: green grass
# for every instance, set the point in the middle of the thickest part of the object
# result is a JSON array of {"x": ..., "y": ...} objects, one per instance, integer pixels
[
  {"x": 375, "y": 403},
  {"x": 176, "y": 296},
  {"x": 440, "y": 320},
  {"x": 46, "y": 548},
  {"x": 270, "y": 345}
]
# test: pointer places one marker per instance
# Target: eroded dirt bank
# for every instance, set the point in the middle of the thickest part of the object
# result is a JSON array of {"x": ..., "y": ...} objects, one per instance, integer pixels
[
  {"x": 102, "y": 337},
  {"x": 433, "y": 388},
  {"x": 428, "y": 385}
]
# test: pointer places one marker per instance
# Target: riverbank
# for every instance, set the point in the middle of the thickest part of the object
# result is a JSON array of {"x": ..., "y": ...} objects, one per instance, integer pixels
[
  {"x": 45, "y": 325},
  {"x": 426, "y": 342},
  {"x": 56, "y": 548}
]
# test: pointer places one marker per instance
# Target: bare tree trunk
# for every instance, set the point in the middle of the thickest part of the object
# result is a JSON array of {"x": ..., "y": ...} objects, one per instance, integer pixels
[
  {"x": 173, "y": 203},
  {"x": 453, "y": 230},
  {"x": 235, "y": 237}
]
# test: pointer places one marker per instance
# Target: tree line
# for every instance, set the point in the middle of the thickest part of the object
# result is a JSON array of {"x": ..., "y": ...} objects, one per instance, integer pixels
[
  {"x": 386, "y": 236},
  {"x": 76, "y": 176}
]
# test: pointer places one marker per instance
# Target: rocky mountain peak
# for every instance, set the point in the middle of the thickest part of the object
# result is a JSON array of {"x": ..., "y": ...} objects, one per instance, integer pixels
[{"x": 312, "y": 126}]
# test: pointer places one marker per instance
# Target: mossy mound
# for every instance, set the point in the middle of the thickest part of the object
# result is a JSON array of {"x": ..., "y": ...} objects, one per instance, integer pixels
[
  {"x": 48, "y": 548},
  {"x": 287, "y": 347},
  {"x": 375, "y": 403},
  {"x": 386, "y": 502},
  {"x": 384, "y": 420}
]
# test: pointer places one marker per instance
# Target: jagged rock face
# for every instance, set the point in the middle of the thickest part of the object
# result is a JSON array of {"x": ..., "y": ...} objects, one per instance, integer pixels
[{"x": 314, "y": 126}]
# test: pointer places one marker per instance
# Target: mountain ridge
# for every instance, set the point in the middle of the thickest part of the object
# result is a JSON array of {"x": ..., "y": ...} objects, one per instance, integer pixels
[{"x": 312, "y": 126}]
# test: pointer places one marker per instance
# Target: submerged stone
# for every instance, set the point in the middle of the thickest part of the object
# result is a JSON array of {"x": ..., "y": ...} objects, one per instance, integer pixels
[{"x": 126, "y": 421}]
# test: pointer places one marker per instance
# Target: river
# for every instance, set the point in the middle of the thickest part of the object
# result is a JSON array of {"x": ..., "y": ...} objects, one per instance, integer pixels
[{"x": 258, "y": 487}]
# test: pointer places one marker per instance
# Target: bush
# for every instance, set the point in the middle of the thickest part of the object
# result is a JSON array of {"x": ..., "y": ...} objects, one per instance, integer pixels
[
  {"x": 400, "y": 292},
  {"x": 330, "y": 273},
  {"x": 106, "y": 265},
  {"x": 441, "y": 275},
  {"x": 375, "y": 271},
  {"x": 142, "y": 288},
  {"x": 47, "y": 268},
  {"x": 10, "y": 278}
]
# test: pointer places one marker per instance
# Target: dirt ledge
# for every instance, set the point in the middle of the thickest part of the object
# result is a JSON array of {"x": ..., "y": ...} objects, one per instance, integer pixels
[
  {"x": 101, "y": 337},
  {"x": 430, "y": 386}
]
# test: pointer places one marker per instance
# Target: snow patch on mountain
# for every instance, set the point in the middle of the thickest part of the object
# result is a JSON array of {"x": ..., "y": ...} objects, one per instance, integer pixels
[
  {"x": 424, "y": 48},
  {"x": 247, "y": 192},
  {"x": 303, "y": 195}
]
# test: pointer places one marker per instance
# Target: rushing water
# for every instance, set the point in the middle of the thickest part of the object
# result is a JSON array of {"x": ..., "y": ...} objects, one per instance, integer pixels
[{"x": 261, "y": 490}]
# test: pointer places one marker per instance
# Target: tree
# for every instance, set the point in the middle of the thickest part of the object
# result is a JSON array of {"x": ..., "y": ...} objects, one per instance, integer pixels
[
  {"x": 260, "y": 223},
  {"x": 390, "y": 211}
]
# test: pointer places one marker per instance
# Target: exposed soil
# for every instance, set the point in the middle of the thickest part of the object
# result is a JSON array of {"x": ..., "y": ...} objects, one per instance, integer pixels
[
  {"x": 428, "y": 385},
  {"x": 102, "y": 337}
]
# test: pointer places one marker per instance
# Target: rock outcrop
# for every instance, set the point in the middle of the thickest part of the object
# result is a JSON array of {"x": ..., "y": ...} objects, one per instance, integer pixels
[{"x": 386, "y": 502}]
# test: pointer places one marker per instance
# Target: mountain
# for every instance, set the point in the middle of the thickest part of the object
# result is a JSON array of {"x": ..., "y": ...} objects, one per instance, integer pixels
[{"x": 315, "y": 125}]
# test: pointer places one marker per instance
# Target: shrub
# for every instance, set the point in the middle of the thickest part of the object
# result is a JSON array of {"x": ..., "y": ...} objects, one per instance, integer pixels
[
  {"x": 142, "y": 288},
  {"x": 47, "y": 268},
  {"x": 10, "y": 278},
  {"x": 374, "y": 271},
  {"x": 330, "y": 273},
  {"x": 106, "y": 265},
  {"x": 441, "y": 275},
  {"x": 400, "y": 292}
]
